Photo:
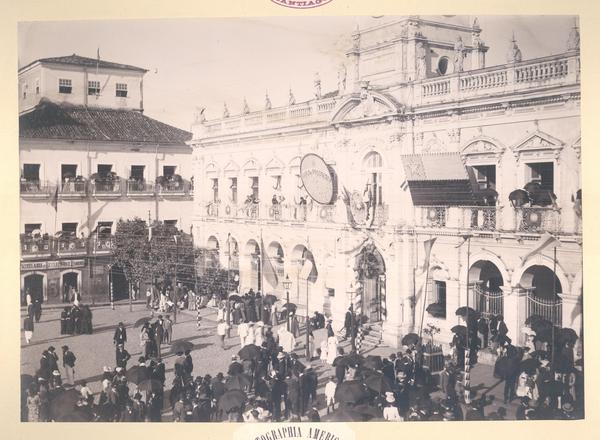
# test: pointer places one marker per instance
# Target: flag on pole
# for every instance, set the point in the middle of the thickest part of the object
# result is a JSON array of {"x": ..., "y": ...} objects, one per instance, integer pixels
[
  {"x": 269, "y": 272},
  {"x": 54, "y": 201},
  {"x": 422, "y": 278},
  {"x": 547, "y": 241}
]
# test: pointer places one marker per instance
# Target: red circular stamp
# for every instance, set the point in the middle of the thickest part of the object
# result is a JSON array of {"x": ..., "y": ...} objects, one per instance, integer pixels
[{"x": 301, "y": 4}]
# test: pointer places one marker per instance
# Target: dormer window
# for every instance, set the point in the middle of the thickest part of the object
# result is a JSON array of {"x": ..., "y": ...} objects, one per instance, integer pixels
[
  {"x": 93, "y": 87},
  {"x": 121, "y": 90},
  {"x": 64, "y": 86}
]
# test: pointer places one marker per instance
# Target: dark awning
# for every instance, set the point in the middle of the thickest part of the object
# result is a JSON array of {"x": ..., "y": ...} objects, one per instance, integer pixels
[{"x": 438, "y": 179}]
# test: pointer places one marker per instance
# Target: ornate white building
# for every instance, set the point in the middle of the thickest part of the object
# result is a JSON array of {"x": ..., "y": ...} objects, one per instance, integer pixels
[{"x": 425, "y": 142}]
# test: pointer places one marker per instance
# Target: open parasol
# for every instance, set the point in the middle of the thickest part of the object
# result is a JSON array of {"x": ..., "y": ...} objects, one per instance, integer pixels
[
  {"x": 232, "y": 399},
  {"x": 181, "y": 346},
  {"x": 349, "y": 360},
  {"x": 529, "y": 366},
  {"x": 151, "y": 386},
  {"x": 137, "y": 374},
  {"x": 352, "y": 391},
  {"x": 378, "y": 382},
  {"x": 411, "y": 339},
  {"x": 63, "y": 403},
  {"x": 270, "y": 299},
  {"x": 373, "y": 362},
  {"x": 249, "y": 352}
]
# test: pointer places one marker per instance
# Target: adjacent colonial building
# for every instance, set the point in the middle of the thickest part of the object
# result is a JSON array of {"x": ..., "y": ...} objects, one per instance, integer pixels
[
  {"x": 89, "y": 157},
  {"x": 423, "y": 141}
]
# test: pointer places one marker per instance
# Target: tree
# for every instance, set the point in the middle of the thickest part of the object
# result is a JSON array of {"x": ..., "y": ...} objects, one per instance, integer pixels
[{"x": 132, "y": 249}]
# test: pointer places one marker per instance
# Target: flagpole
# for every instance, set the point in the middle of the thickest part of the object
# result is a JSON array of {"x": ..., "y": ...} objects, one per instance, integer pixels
[
  {"x": 553, "y": 298},
  {"x": 262, "y": 256},
  {"x": 424, "y": 300}
]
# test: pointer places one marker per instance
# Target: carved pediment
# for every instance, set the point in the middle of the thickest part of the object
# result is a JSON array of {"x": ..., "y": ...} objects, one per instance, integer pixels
[
  {"x": 275, "y": 166},
  {"x": 251, "y": 167},
  {"x": 231, "y": 169},
  {"x": 212, "y": 168},
  {"x": 538, "y": 145},
  {"x": 368, "y": 104},
  {"x": 577, "y": 147}
]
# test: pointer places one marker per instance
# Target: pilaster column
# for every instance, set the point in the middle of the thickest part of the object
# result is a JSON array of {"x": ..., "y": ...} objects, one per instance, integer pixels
[
  {"x": 571, "y": 311},
  {"x": 515, "y": 310}
]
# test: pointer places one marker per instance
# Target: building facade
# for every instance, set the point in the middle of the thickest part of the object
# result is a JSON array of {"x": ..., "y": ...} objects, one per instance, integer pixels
[
  {"x": 425, "y": 142},
  {"x": 89, "y": 157}
]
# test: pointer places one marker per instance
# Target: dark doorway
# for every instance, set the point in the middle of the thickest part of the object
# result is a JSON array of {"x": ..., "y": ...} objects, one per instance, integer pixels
[
  {"x": 69, "y": 285},
  {"x": 34, "y": 284},
  {"x": 118, "y": 284},
  {"x": 370, "y": 268}
]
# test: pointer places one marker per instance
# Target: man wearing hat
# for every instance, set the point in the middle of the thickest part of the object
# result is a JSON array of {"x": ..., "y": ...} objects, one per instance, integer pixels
[
  {"x": 120, "y": 336},
  {"x": 69, "y": 365},
  {"x": 235, "y": 367},
  {"x": 53, "y": 358},
  {"x": 122, "y": 356}
]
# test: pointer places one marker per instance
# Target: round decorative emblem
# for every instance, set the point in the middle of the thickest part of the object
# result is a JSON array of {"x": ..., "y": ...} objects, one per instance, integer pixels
[{"x": 318, "y": 178}]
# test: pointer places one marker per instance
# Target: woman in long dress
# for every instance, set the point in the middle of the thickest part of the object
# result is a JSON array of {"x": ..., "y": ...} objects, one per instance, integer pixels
[
  {"x": 258, "y": 333},
  {"x": 332, "y": 344},
  {"x": 324, "y": 347},
  {"x": 33, "y": 406}
]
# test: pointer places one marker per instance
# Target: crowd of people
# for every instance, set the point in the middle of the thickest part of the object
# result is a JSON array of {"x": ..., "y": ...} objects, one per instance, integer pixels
[{"x": 266, "y": 381}]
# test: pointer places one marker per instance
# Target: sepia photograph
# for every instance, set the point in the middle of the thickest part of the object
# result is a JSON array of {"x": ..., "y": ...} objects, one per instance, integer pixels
[{"x": 301, "y": 219}]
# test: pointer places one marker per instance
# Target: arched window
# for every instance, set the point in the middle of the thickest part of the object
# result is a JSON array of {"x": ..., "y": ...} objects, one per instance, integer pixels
[{"x": 372, "y": 166}]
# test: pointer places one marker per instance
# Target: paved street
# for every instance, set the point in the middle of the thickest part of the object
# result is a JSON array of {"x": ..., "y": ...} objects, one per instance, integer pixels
[{"x": 96, "y": 350}]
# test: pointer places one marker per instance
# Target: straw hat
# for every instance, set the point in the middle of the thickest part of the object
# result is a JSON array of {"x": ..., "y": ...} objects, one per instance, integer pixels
[
  {"x": 56, "y": 373},
  {"x": 260, "y": 324},
  {"x": 389, "y": 397},
  {"x": 280, "y": 355}
]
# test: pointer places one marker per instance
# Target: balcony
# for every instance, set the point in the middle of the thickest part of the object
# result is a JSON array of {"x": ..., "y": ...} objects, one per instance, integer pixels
[
  {"x": 102, "y": 244},
  {"x": 71, "y": 246},
  {"x": 39, "y": 247},
  {"x": 174, "y": 187},
  {"x": 35, "y": 189},
  {"x": 140, "y": 188},
  {"x": 481, "y": 218},
  {"x": 73, "y": 189},
  {"x": 107, "y": 188},
  {"x": 433, "y": 216},
  {"x": 537, "y": 220}
]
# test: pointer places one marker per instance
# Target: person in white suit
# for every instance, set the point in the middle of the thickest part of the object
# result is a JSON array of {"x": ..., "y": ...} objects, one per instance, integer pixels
[{"x": 243, "y": 332}]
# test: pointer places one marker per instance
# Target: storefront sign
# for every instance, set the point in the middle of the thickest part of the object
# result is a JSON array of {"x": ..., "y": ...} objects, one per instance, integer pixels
[
  {"x": 38, "y": 265},
  {"x": 59, "y": 264},
  {"x": 318, "y": 178}
]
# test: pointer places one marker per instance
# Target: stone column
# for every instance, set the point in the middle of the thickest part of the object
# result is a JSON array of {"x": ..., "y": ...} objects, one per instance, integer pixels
[{"x": 515, "y": 310}]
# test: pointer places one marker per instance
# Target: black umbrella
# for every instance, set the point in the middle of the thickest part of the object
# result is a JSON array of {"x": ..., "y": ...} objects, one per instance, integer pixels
[
  {"x": 437, "y": 310},
  {"x": 232, "y": 399},
  {"x": 270, "y": 299},
  {"x": 150, "y": 385},
  {"x": 238, "y": 382},
  {"x": 505, "y": 367},
  {"x": 352, "y": 391},
  {"x": 348, "y": 414},
  {"x": 349, "y": 360},
  {"x": 562, "y": 364},
  {"x": 63, "y": 403},
  {"x": 460, "y": 330},
  {"x": 137, "y": 374},
  {"x": 553, "y": 388},
  {"x": 532, "y": 187},
  {"x": 140, "y": 322},
  {"x": 234, "y": 298},
  {"x": 290, "y": 307},
  {"x": 378, "y": 382},
  {"x": 464, "y": 310},
  {"x": 411, "y": 339},
  {"x": 529, "y": 366},
  {"x": 249, "y": 352},
  {"x": 373, "y": 362},
  {"x": 567, "y": 335},
  {"x": 181, "y": 346}
]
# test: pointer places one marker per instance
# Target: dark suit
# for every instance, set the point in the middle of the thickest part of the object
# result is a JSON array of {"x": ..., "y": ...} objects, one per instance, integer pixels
[{"x": 120, "y": 336}]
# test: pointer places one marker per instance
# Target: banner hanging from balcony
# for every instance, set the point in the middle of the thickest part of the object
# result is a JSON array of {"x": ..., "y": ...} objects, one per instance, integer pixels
[
  {"x": 318, "y": 178},
  {"x": 438, "y": 179}
]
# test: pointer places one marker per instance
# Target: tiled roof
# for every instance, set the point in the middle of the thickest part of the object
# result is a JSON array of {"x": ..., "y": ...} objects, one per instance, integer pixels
[
  {"x": 52, "y": 121},
  {"x": 76, "y": 60}
]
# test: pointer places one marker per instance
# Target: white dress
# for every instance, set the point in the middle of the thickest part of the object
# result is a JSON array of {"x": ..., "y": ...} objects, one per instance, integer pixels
[
  {"x": 332, "y": 344},
  {"x": 242, "y": 333},
  {"x": 324, "y": 347},
  {"x": 258, "y": 336},
  {"x": 249, "y": 337}
]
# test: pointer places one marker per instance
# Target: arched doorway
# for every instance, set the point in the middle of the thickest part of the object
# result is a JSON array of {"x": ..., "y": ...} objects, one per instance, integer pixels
[
  {"x": 212, "y": 248},
  {"x": 252, "y": 254},
  {"x": 34, "y": 284},
  {"x": 486, "y": 295},
  {"x": 276, "y": 259},
  {"x": 306, "y": 275},
  {"x": 543, "y": 287},
  {"x": 119, "y": 285},
  {"x": 70, "y": 282},
  {"x": 369, "y": 268}
]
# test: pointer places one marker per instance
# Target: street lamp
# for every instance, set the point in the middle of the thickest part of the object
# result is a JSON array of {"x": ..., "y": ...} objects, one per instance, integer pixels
[{"x": 286, "y": 285}]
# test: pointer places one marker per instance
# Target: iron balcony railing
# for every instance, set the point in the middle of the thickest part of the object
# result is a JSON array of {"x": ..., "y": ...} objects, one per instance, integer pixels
[{"x": 45, "y": 246}]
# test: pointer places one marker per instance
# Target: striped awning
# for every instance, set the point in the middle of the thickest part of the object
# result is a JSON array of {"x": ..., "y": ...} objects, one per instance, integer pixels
[{"x": 438, "y": 179}]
